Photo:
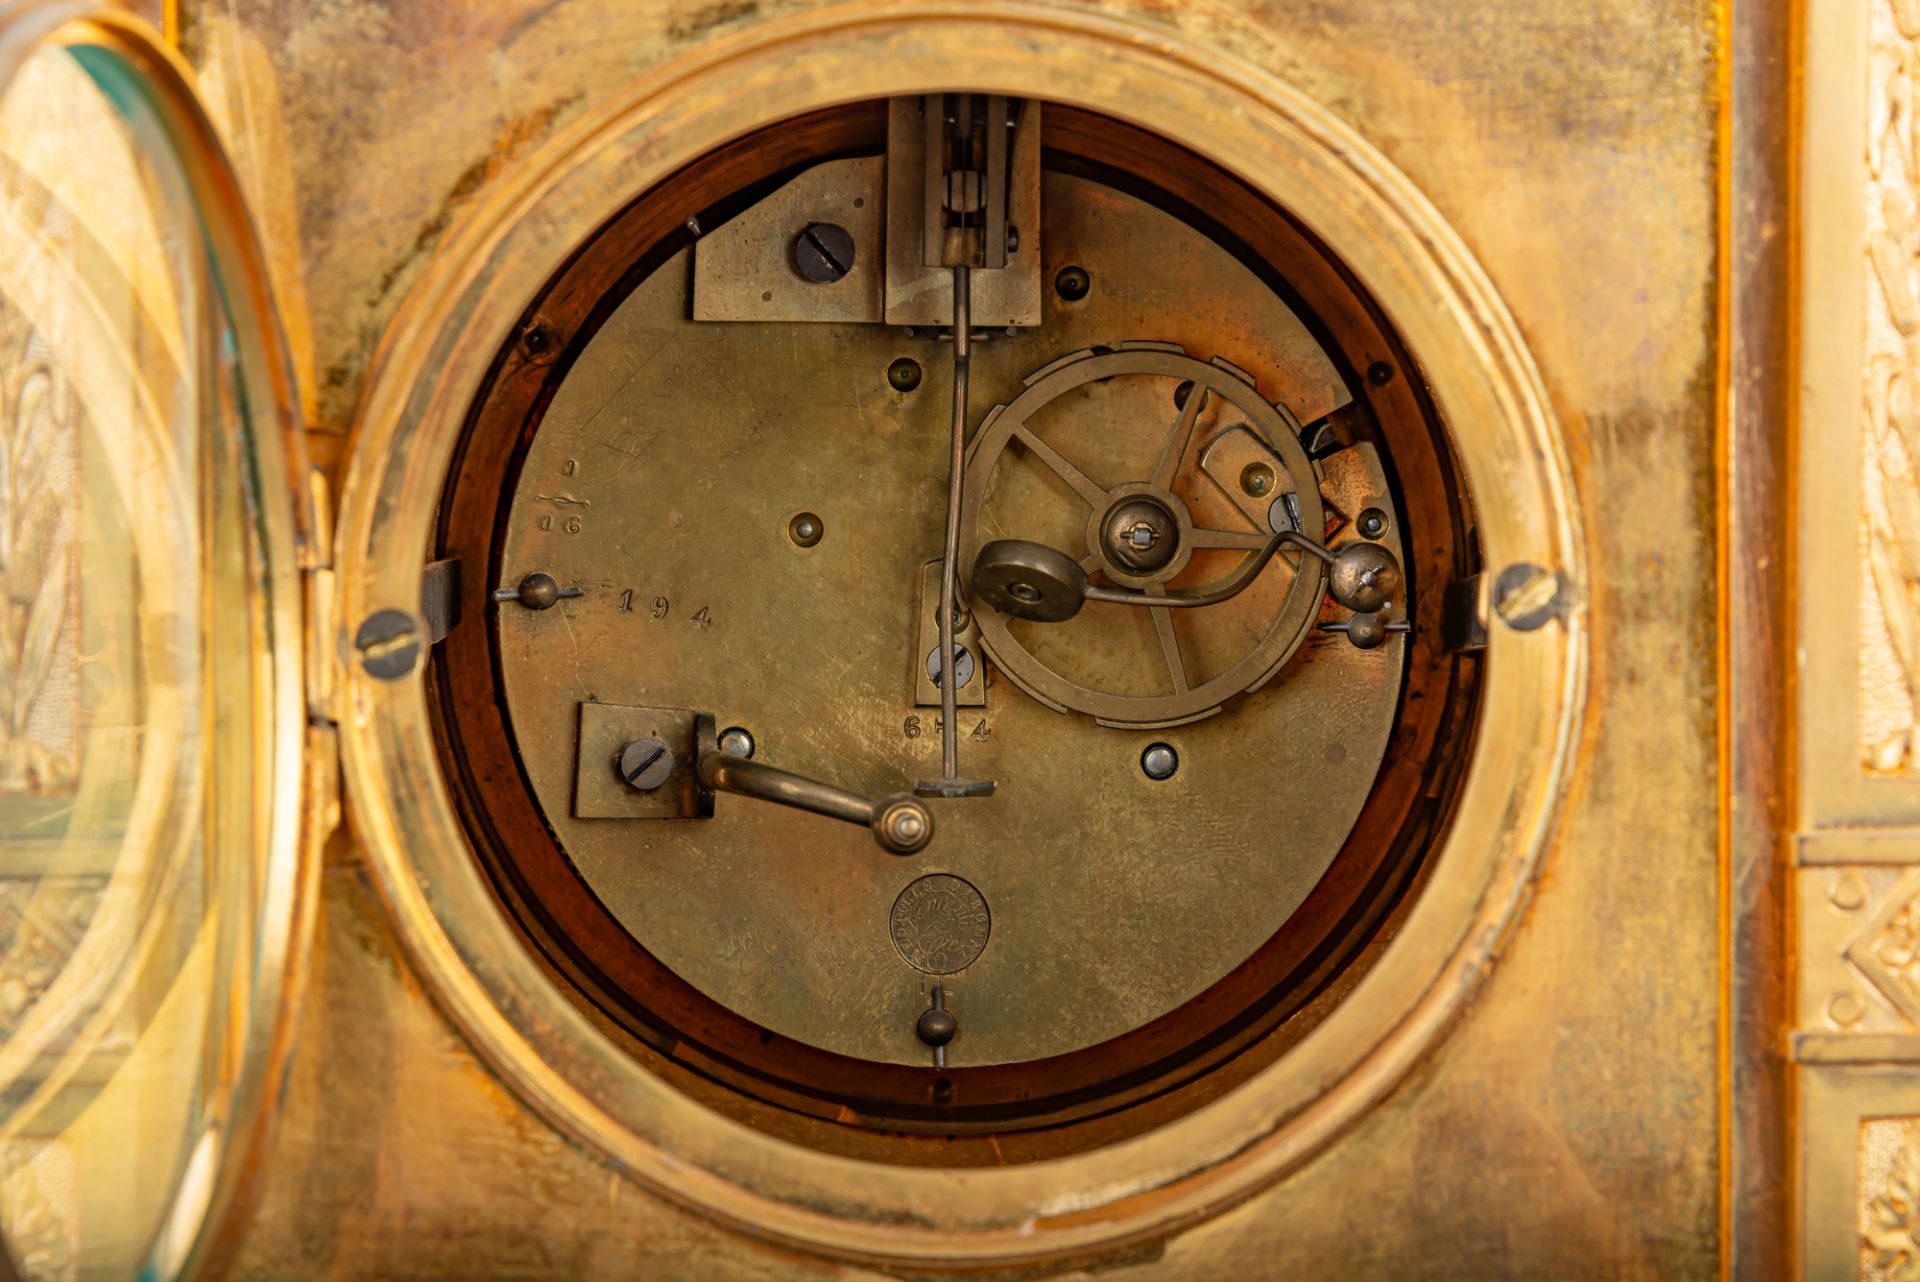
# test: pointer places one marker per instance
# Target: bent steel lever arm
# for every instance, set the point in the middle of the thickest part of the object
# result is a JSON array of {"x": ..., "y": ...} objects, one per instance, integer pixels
[
  {"x": 1033, "y": 581},
  {"x": 901, "y": 824}
]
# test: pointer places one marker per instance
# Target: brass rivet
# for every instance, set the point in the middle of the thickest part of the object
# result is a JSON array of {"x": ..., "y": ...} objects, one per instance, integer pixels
[
  {"x": 1848, "y": 892},
  {"x": 806, "y": 529}
]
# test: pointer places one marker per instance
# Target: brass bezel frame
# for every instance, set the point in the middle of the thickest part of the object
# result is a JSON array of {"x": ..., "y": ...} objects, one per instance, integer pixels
[
  {"x": 297, "y": 763},
  {"x": 470, "y": 301}
]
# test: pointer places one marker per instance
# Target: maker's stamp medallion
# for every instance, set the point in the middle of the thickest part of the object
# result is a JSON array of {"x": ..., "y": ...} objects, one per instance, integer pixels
[{"x": 940, "y": 924}]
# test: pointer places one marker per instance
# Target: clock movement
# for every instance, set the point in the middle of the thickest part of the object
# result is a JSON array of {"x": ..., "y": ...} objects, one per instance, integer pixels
[{"x": 1203, "y": 523}]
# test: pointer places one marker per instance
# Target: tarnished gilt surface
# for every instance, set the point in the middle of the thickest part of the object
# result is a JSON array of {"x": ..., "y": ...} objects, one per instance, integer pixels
[{"x": 1568, "y": 1128}]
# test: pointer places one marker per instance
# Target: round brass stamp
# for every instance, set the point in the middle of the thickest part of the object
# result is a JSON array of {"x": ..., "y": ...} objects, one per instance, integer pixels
[{"x": 940, "y": 924}]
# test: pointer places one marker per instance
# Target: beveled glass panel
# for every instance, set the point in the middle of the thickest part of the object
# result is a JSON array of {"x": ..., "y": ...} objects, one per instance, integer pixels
[{"x": 136, "y": 755}]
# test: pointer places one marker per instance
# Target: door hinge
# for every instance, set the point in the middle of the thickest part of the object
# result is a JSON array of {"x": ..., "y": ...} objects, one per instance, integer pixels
[{"x": 320, "y": 629}]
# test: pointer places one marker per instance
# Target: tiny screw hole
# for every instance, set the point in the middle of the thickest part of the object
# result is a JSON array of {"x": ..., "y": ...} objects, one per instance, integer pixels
[{"x": 903, "y": 375}]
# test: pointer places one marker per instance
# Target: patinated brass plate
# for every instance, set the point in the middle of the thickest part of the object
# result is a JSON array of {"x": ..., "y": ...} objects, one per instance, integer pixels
[{"x": 662, "y": 482}]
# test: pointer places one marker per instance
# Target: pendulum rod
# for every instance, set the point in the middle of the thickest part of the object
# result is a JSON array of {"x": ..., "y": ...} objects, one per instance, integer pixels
[
  {"x": 966, "y": 186},
  {"x": 949, "y": 567}
]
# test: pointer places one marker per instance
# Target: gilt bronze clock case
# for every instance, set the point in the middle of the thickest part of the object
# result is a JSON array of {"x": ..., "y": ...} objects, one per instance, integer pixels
[{"x": 1401, "y": 899}]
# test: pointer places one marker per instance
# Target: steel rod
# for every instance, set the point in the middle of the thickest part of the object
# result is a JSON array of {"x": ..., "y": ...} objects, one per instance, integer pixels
[
  {"x": 899, "y": 823},
  {"x": 726, "y": 773},
  {"x": 949, "y": 570}
]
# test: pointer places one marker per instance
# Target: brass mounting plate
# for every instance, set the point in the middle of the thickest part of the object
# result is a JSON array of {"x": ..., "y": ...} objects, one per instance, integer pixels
[
  {"x": 926, "y": 693},
  {"x": 743, "y": 270},
  {"x": 598, "y": 790},
  {"x": 917, "y": 294}
]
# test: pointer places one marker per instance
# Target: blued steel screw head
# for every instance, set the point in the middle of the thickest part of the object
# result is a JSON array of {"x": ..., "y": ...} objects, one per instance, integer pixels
[
  {"x": 823, "y": 253},
  {"x": 645, "y": 764}
]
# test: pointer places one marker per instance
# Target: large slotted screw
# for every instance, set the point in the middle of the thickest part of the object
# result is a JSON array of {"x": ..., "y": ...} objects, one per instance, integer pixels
[
  {"x": 823, "y": 253},
  {"x": 645, "y": 764}
]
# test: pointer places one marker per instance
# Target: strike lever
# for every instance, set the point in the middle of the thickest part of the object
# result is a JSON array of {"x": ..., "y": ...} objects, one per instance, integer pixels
[{"x": 901, "y": 824}]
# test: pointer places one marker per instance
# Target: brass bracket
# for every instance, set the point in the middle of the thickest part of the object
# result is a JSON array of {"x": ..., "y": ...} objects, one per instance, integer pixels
[
  {"x": 920, "y": 293},
  {"x": 322, "y": 653},
  {"x": 599, "y": 790},
  {"x": 926, "y": 694}
]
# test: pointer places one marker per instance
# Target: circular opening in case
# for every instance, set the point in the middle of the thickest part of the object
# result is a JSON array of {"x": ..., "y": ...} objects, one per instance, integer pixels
[
  {"x": 1118, "y": 1138},
  {"x": 1202, "y": 817}
]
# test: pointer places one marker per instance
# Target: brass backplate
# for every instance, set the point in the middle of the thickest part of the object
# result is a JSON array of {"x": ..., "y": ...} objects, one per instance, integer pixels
[{"x": 663, "y": 479}]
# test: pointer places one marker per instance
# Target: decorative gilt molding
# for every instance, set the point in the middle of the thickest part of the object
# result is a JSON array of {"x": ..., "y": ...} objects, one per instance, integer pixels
[
  {"x": 1890, "y": 1200},
  {"x": 1890, "y": 483},
  {"x": 1859, "y": 972},
  {"x": 1856, "y": 857},
  {"x": 1886, "y": 951}
]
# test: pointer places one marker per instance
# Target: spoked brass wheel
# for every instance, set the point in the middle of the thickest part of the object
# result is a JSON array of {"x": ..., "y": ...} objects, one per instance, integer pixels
[{"x": 1228, "y": 471}]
